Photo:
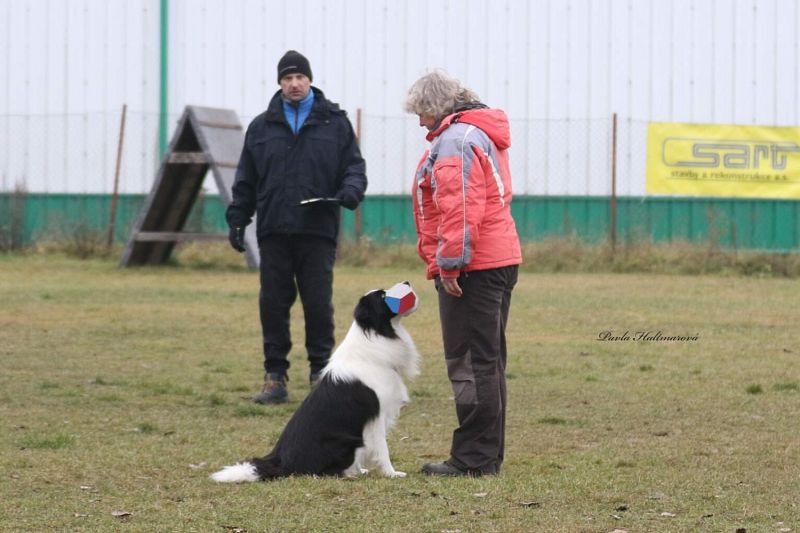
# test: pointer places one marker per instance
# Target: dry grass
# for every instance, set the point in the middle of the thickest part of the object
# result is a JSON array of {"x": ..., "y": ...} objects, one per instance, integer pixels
[
  {"x": 572, "y": 255},
  {"x": 122, "y": 390},
  {"x": 556, "y": 255}
]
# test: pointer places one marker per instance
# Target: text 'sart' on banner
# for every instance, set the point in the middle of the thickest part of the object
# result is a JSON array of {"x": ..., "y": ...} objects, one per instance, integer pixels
[{"x": 721, "y": 160}]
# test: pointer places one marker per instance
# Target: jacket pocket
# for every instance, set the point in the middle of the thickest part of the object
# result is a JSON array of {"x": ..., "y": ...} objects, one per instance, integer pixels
[
  {"x": 268, "y": 155},
  {"x": 320, "y": 164}
]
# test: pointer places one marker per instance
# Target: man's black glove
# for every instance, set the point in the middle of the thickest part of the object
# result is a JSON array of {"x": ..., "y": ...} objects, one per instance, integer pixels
[
  {"x": 236, "y": 238},
  {"x": 348, "y": 198}
]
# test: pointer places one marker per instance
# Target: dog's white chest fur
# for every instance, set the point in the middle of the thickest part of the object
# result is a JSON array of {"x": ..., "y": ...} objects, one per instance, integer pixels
[
  {"x": 341, "y": 427},
  {"x": 380, "y": 363}
]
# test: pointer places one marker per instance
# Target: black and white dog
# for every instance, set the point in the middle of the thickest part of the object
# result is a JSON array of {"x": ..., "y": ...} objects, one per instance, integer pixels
[{"x": 341, "y": 426}]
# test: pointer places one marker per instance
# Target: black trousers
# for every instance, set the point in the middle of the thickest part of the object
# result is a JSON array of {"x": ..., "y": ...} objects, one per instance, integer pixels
[
  {"x": 292, "y": 264},
  {"x": 474, "y": 335}
]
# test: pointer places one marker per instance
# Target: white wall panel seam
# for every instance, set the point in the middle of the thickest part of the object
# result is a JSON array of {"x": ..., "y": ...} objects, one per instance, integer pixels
[
  {"x": 7, "y": 180},
  {"x": 65, "y": 90},
  {"x": 734, "y": 92},
  {"x": 27, "y": 90},
  {"x": 753, "y": 88},
  {"x": 587, "y": 89},
  {"x": 775, "y": 64}
]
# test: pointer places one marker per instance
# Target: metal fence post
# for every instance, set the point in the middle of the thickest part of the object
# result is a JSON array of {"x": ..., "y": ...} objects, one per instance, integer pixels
[{"x": 115, "y": 194}]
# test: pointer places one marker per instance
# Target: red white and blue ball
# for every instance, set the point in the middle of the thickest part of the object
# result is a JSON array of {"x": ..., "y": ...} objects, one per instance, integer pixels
[{"x": 401, "y": 299}]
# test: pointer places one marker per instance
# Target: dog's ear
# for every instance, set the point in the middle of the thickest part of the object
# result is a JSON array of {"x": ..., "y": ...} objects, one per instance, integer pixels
[{"x": 372, "y": 314}]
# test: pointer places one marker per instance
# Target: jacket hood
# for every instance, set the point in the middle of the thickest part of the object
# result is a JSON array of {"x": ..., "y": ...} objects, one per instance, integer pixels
[{"x": 493, "y": 122}]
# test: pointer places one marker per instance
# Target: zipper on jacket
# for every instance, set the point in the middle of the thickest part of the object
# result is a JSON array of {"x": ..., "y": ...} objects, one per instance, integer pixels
[{"x": 296, "y": 107}]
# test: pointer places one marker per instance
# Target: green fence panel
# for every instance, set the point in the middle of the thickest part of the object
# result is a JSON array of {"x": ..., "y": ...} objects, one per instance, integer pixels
[
  {"x": 786, "y": 224},
  {"x": 731, "y": 223}
]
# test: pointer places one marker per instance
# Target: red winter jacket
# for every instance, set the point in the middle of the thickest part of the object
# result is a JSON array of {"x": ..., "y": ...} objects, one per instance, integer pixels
[{"x": 462, "y": 196}]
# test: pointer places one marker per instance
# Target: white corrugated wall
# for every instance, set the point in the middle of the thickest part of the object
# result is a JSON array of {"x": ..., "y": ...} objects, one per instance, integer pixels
[
  {"x": 558, "y": 67},
  {"x": 68, "y": 65}
]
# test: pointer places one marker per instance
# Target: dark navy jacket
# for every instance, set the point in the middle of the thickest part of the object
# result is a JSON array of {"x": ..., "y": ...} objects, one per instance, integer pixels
[{"x": 278, "y": 169}]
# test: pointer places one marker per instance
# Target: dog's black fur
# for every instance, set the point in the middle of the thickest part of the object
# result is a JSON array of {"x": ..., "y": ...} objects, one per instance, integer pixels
[
  {"x": 373, "y": 315},
  {"x": 320, "y": 440},
  {"x": 322, "y": 436}
]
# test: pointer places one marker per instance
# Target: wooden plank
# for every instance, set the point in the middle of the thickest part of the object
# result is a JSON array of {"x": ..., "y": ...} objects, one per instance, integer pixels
[
  {"x": 215, "y": 117},
  {"x": 179, "y": 236},
  {"x": 219, "y": 125},
  {"x": 223, "y": 145},
  {"x": 188, "y": 158},
  {"x": 205, "y": 139}
]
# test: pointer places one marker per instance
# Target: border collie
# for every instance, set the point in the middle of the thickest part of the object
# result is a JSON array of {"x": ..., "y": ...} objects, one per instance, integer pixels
[{"x": 341, "y": 426}]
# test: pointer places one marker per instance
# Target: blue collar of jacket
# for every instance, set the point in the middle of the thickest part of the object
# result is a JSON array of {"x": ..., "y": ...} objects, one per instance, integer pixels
[
  {"x": 321, "y": 109},
  {"x": 297, "y": 113}
]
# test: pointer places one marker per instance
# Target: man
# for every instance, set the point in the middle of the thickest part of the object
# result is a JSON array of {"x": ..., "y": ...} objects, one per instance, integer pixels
[
  {"x": 302, "y": 147},
  {"x": 468, "y": 240}
]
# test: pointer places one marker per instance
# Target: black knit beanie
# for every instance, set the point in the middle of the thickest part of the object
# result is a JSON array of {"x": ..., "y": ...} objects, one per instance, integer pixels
[{"x": 293, "y": 62}]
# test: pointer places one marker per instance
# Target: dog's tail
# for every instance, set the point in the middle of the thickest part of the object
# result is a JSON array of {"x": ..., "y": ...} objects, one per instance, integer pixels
[
  {"x": 238, "y": 473},
  {"x": 252, "y": 470}
]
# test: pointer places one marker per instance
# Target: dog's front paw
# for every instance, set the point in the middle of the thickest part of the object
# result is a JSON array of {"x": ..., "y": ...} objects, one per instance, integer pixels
[
  {"x": 397, "y": 473},
  {"x": 355, "y": 472}
]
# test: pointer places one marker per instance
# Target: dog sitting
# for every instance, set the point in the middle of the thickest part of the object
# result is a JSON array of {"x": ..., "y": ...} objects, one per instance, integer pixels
[{"x": 341, "y": 426}]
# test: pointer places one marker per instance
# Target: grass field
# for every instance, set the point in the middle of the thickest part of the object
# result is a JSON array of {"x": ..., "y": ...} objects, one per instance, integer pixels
[{"x": 120, "y": 391}]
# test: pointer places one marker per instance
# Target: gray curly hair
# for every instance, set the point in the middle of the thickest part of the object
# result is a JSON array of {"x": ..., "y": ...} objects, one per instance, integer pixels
[{"x": 438, "y": 95}]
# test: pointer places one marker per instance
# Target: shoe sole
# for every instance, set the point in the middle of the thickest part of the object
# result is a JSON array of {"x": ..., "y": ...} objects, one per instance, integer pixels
[{"x": 271, "y": 401}]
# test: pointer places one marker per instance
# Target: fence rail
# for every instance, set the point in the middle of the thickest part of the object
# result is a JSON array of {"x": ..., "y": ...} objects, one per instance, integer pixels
[{"x": 770, "y": 225}]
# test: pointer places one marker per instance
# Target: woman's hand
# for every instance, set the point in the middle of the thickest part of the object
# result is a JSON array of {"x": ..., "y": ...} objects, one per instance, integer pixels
[{"x": 451, "y": 287}]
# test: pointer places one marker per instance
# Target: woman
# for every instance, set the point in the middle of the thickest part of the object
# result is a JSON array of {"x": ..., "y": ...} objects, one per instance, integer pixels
[{"x": 467, "y": 238}]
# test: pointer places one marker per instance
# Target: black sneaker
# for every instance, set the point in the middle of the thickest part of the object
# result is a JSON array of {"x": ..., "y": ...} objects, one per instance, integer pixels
[
  {"x": 314, "y": 378},
  {"x": 445, "y": 469},
  {"x": 274, "y": 390}
]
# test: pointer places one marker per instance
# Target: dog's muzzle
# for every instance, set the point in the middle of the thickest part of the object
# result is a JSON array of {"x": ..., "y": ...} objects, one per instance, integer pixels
[{"x": 401, "y": 299}]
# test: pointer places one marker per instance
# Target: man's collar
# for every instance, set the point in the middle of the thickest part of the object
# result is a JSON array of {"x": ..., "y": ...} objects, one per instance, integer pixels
[{"x": 306, "y": 99}]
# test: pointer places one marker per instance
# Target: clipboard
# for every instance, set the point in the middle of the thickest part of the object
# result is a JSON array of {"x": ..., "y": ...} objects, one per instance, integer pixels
[{"x": 322, "y": 200}]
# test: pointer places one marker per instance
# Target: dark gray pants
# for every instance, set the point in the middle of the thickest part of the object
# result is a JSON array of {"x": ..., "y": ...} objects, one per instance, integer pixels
[
  {"x": 473, "y": 331},
  {"x": 292, "y": 264}
]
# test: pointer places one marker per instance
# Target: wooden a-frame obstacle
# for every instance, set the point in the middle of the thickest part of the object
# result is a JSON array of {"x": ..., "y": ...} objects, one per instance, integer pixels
[{"x": 206, "y": 138}]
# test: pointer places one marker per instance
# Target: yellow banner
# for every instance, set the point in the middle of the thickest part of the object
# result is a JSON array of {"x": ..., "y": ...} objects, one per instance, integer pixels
[{"x": 721, "y": 160}]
